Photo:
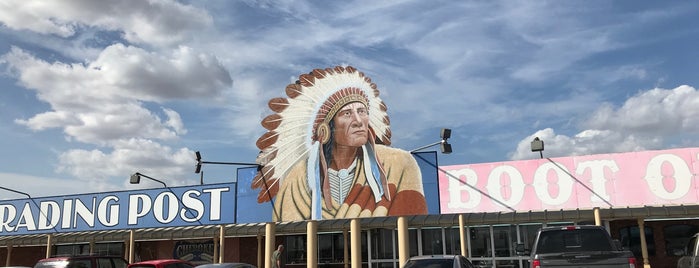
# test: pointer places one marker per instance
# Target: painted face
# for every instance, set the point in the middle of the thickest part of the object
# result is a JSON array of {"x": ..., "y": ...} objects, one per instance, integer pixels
[{"x": 351, "y": 125}]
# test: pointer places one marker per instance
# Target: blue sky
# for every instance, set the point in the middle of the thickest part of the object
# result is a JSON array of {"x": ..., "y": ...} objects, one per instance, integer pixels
[{"x": 93, "y": 91}]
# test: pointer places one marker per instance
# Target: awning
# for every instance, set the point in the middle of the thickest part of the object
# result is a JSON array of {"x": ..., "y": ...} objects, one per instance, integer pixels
[{"x": 324, "y": 226}]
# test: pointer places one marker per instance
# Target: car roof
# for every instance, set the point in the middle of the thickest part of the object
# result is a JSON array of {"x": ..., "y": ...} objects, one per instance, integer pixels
[
  {"x": 158, "y": 261},
  {"x": 225, "y": 265},
  {"x": 423, "y": 257},
  {"x": 62, "y": 258}
]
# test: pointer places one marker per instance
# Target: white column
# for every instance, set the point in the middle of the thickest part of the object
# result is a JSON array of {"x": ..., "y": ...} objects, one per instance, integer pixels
[
  {"x": 312, "y": 244},
  {"x": 403, "y": 241},
  {"x": 356, "y": 241},
  {"x": 270, "y": 239}
]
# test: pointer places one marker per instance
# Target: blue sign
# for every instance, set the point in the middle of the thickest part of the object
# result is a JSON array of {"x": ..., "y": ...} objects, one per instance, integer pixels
[{"x": 211, "y": 204}]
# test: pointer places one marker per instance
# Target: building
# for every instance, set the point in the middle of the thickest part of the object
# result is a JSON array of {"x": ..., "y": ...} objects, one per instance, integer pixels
[{"x": 483, "y": 208}]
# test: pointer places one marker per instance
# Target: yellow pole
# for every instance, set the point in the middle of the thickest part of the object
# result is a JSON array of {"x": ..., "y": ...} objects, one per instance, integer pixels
[
  {"x": 403, "y": 243},
  {"x": 598, "y": 219},
  {"x": 270, "y": 239},
  {"x": 462, "y": 235},
  {"x": 217, "y": 249},
  {"x": 312, "y": 244},
  {"x": 644, "y": 245},
  {"x": 222, "y": 244},
  {"x": 356, "y": 241},
  {"x": 132, "y": 235},
  {"x": 49, "y": 241},
  {"x": 9, "y": 254}
]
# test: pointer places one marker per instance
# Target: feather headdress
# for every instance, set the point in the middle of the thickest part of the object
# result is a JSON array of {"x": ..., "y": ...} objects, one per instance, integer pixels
[{"x": 299, "y": 128}]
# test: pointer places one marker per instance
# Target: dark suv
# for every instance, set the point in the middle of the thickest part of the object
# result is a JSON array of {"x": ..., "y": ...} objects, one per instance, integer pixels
[{"x": 82, "y": 262}]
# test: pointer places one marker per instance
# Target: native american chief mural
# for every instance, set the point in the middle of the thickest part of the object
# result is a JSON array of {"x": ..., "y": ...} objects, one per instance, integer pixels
[{"x": 325, "y": 154}]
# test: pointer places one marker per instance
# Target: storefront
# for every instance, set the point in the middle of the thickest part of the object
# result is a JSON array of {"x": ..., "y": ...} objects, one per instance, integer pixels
[{"x": 483, "y": 210}]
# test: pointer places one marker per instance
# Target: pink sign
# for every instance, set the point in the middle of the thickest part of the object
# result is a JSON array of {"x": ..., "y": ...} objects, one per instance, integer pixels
[{"x": 666, "y": 177}]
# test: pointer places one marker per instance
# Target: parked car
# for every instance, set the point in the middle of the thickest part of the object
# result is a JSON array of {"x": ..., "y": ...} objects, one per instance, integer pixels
[
  {"x": 577, "y": 246},
  {"x": 227, "y": 265},
  {"x": 165, "y": 263},
  {"x": 88, "y": 261},
  {"x": 438, "y": 261}
]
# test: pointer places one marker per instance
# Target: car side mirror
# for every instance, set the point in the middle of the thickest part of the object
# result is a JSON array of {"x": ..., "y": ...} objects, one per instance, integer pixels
[{"x": 521, "y": 250}]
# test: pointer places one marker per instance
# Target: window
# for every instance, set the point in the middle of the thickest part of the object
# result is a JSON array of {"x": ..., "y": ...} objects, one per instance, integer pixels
[
  {"x": 432, "y": 242},
  {"x": 453, "y": 240},
  {"x": 295, "y": 249},
  {"x": 412, "y": 240},
  {"x": 676, "y": 238},
  {"x": 331, "y": 248},
  {"x": 504, "y": 239},
  {"x": 112, "y": 249},
  {"x": 480, "y": 242},
  {"x": 382, "y": 244},
  {"x": 631, "y": 240}
]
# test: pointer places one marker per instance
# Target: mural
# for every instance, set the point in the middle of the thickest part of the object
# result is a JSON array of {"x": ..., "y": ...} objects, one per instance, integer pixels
[{"x": 326, "y": 152}]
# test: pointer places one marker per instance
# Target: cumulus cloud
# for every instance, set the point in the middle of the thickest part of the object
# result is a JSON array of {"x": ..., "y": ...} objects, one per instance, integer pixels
[
  {"x": 649, "y": 120},
  {"x": 102, "y": 101},
  {"x": 37, "y": 186},
  {"x": 160, "y": 22},
  {"x": 128, "y": 156}
]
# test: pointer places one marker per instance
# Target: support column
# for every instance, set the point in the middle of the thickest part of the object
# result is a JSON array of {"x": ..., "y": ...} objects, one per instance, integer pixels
[
  {"x": 598, "y": 219},
  {"x": 126, "y": 249},
  {"x": 356, "y": 241},
  {"x": 462, "y": 235},
  {"x": 222, "y": 244},
  {"x": 644, "y": 245},
  {"x": 312, "y": 244},
  {"x": 346, "y": 239},
  {"x": 217, "y": 248},
  {"x": 49, "y": 241},
  {"x": 403, "y": 241},
  {"x": 9, "y": 254},
  {"x": 270, "y": 239},
  {"x": 92, "y": 247},
  {"x": 132, "y": 236},
  {"x": 260, "y": 251}
]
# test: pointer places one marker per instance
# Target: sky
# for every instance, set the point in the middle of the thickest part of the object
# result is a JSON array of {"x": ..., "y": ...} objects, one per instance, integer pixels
[{"x": 93, "y": 91}]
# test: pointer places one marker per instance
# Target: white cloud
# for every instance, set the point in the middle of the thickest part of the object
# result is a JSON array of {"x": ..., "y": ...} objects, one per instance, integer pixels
[
  {"x": 129, "y": 156},
  {"x": 649, "y": 120},
  {"x": 41, "y": 186},
  {"x": 160, "y": 22},
  {"x": 101, "y": 101}
]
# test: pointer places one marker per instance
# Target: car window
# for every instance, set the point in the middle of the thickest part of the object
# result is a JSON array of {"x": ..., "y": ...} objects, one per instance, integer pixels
[
  {"x": 104, "y": 263},
  {"x": 78, "y": 264},
  {"x": 430, "y": 263},
  {"x": 184, "y": 265},
  {"x": 51, "y": 264},
  {"x": 142, "y": 266},
  {"x": 465, "y": 263}
]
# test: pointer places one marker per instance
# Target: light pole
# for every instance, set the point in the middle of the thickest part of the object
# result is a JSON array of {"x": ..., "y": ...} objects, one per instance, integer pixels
[
  {"x": 201, "y": 162},
  {"x": 33, "y": 201},
  {"x": 445, "y": 147},
  {"x": 136, "y": 179},
  {"x": 538, "y": 146},
  {"x": 445, "y": 134}
]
